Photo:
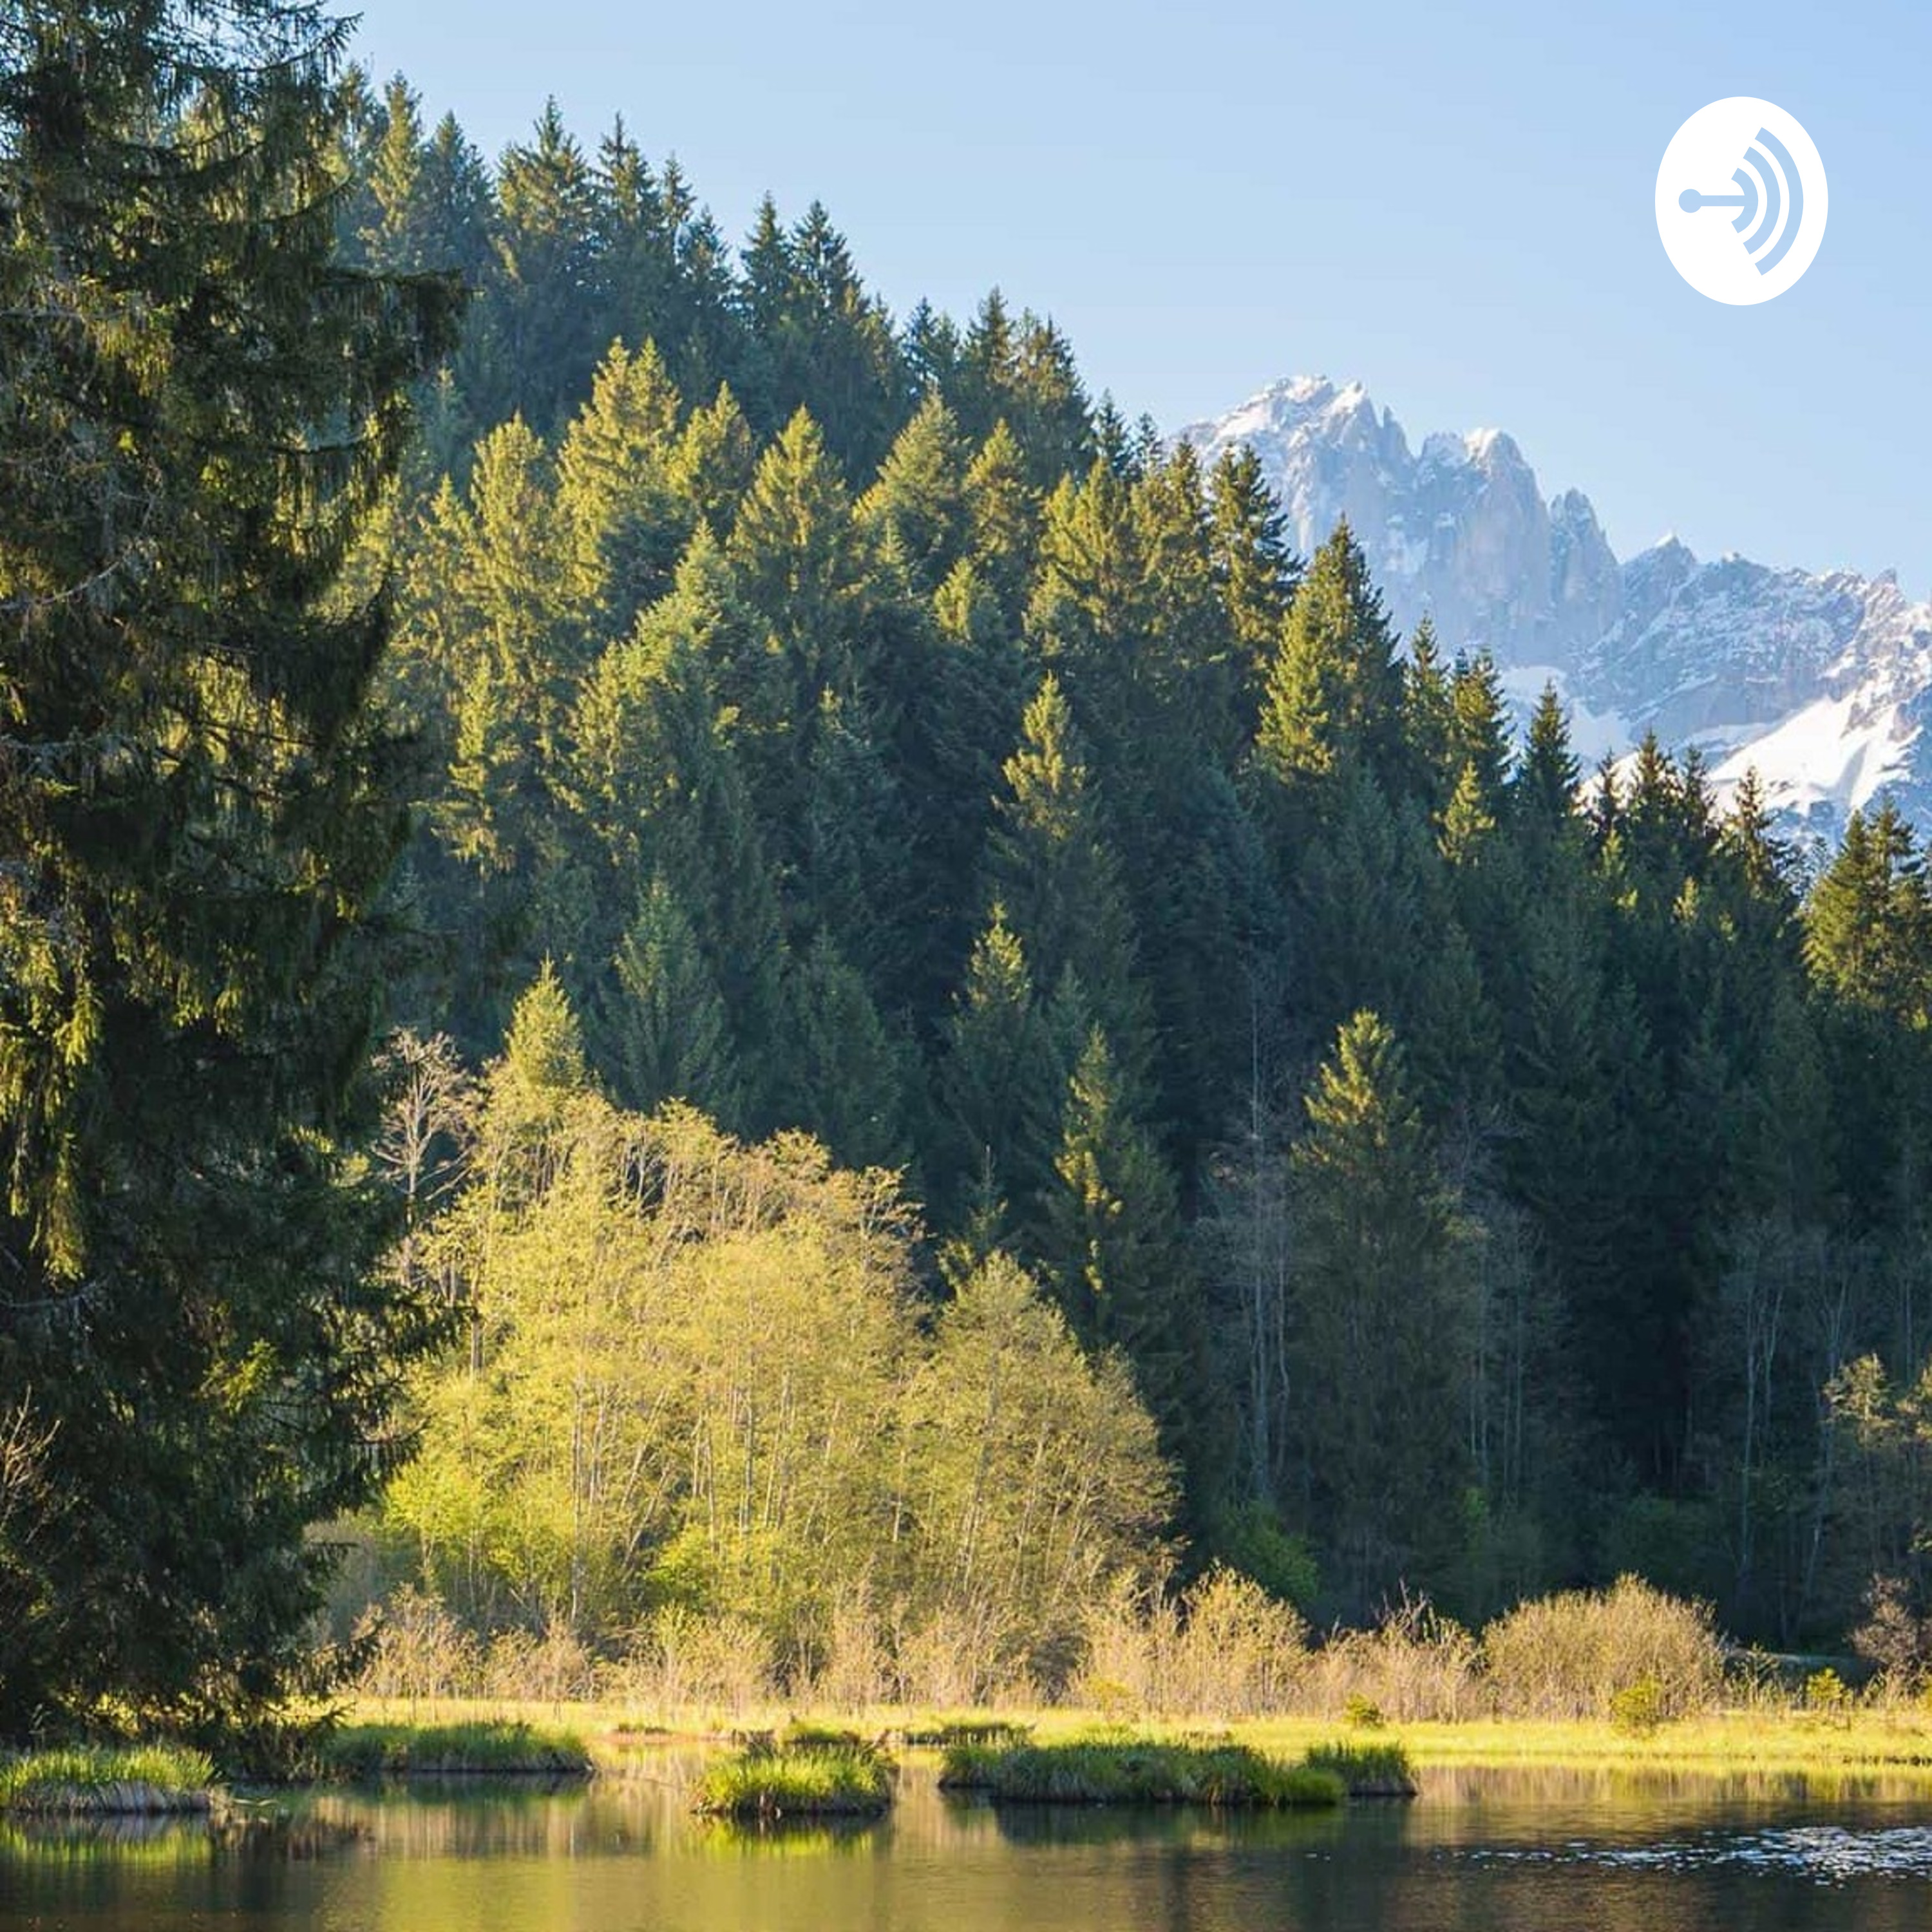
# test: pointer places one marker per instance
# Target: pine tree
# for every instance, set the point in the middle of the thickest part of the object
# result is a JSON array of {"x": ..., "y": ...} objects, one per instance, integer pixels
[
  {"x": 1254, "y": 568},
  {"x": 919, "y": 502},
  {"x": 1110, "y": 1237},
  {"x": 197, "y": 816},
  {"x": 1379, "y": 1282},
  {"x": 1001, "y": 1085},
  {"x": 1050, "y": 865},
  {"x": 669, "y": 1035},
  {"x": 1333, "y": 693},
  {"x": 628, "y": 523},
  {"x": 848, "y": 1075}
]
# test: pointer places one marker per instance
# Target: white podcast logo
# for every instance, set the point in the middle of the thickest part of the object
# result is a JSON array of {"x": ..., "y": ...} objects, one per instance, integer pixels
[{"x": 1741, "y": 200}]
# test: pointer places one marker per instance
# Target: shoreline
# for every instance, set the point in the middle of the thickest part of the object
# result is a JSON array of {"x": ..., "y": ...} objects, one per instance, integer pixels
[{"x": 1886, "y": 1739}]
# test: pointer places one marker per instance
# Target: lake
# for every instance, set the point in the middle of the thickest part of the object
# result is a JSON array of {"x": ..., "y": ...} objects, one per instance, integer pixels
[{"x": 1486, "y": 1850}]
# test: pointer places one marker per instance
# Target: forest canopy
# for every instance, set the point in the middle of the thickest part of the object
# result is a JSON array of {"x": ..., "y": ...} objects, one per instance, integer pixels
[{"x": 965, "y": 1030}]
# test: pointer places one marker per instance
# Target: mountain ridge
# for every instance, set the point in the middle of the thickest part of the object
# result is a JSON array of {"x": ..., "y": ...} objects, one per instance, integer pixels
[{"x": 1821, "y": 681}]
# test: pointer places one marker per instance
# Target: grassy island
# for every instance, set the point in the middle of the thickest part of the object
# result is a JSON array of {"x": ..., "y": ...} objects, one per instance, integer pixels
[
  {"x": 1126, "y": 1768},
  {"x": 807, "y": 1771},
  {"x": 94, "y": 1780}
]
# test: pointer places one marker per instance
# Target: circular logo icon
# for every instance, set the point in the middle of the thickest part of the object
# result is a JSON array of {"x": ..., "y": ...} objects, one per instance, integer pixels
[{"x": 1741, "y": 200}]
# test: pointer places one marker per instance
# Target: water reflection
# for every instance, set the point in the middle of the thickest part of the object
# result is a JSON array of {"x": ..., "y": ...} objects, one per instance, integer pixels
[{"x": 1492, "y": 1851}]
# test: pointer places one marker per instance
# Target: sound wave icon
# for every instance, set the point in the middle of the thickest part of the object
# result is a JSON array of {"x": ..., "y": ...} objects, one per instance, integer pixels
[{"x": 1759, "y": 192}]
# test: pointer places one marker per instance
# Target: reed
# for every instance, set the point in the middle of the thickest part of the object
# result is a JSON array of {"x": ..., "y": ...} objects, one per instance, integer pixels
[
  {"x": 102, "y": 1780},
  {"x": 811, "y": 1780},
  {"x": 481, "y": 1749},
  {"x": 1109, "y": 1769}
]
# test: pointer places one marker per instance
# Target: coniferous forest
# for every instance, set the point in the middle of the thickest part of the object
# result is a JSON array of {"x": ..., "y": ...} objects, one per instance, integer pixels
[{"x": 673, "y": 947}]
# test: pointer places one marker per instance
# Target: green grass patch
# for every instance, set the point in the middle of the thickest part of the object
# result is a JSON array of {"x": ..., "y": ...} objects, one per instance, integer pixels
[
  {"x": 1380, "y": 1770},
  {"x": 105, "y": 1780},
  {"x": 816, "y": 1779},
  {"x": 480, "y": 1750},
  {"x": 1110, "y": 1769}
]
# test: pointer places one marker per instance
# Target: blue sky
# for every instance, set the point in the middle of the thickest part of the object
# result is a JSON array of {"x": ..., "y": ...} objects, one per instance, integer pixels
[{"x": 1451, "y": 203}]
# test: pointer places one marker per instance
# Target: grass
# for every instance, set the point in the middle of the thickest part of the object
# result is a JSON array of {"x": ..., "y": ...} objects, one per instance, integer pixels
[
  {"x": 475, "y": 1749},
  {"x": 819, "y": 1775},
  {"x": 1380, "y": 1770},
  {"x": 97, "y": 1780},
  {"x": 1112, "y": 1769},
  {"x": 1782, "y": 1741}
]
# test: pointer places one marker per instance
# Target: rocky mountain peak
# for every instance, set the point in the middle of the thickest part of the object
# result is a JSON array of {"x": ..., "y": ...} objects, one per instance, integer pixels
[{"x": 1821, "y": 681}]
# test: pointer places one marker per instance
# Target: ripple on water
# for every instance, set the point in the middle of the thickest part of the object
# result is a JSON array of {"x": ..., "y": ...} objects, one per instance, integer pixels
[{"x": 1827, "y": 1854}]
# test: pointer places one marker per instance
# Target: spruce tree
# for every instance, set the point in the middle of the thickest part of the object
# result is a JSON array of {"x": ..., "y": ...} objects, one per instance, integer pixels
[
  {"x": 918, "y": 501},
  {"x": 1429, "y": 721},
  {"x": 1003, "y": 508},
  {"x": 1000, "y": 1086},
  {"x": 1052, "y": 867},
  {"x": 1110, "y": 1237},
  {"x": 668, "y": 1034},
  {"x": 1333, "y": 691},
  {"x": 1546, "y": 784},
  {"x": 628, "y": 522},
  {"x": 197, "y": 815},
  {"x": 1254, "y": 569},
  {"x": 1379, "y": 1286},
  {"x": 848, "y": 1073},
  {"x": 1868, "y": 923},
  {"x": 539, "y": 334}
]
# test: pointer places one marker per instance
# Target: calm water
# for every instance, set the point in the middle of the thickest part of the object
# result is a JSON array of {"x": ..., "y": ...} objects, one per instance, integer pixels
[{"x": 1486, "y": 1851}]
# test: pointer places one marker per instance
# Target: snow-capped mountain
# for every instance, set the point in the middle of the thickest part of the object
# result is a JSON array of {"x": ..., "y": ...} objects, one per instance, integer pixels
[{"x": 1821, "y": 682}]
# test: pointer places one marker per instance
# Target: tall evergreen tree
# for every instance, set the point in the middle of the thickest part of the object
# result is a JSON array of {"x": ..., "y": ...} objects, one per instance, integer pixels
[
  {"x": 1333, "y": 691},
  {"x": 1110, "y": 1237},
  {"x": 1254, "y": 567},
  {"x": 1379, "y": 1289},
  {"x": 197, "y": 814},
  {"x": 1000, "y": 1087},
  {"x": 669, "y": 1034},
  {"x": 1053, "y": 869}
]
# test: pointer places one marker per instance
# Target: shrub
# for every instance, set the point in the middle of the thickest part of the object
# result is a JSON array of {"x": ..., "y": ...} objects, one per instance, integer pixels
[
  {"x": 1894, "y": 1636},
  {"x": 1225, "y": 1648},
  {"x": 1362, "y": 1714},
  {"x": 1637, "y": 1708},
  {"x": 1825, "y": 1693},
  {"x": 520, "y": 1666},
  {"x": 1415, "y": 1666},
  {"x": 682, "y": 1660},
  {"x": 1571, "y": 1654},
  {"x": 419, "y": 1651}
]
